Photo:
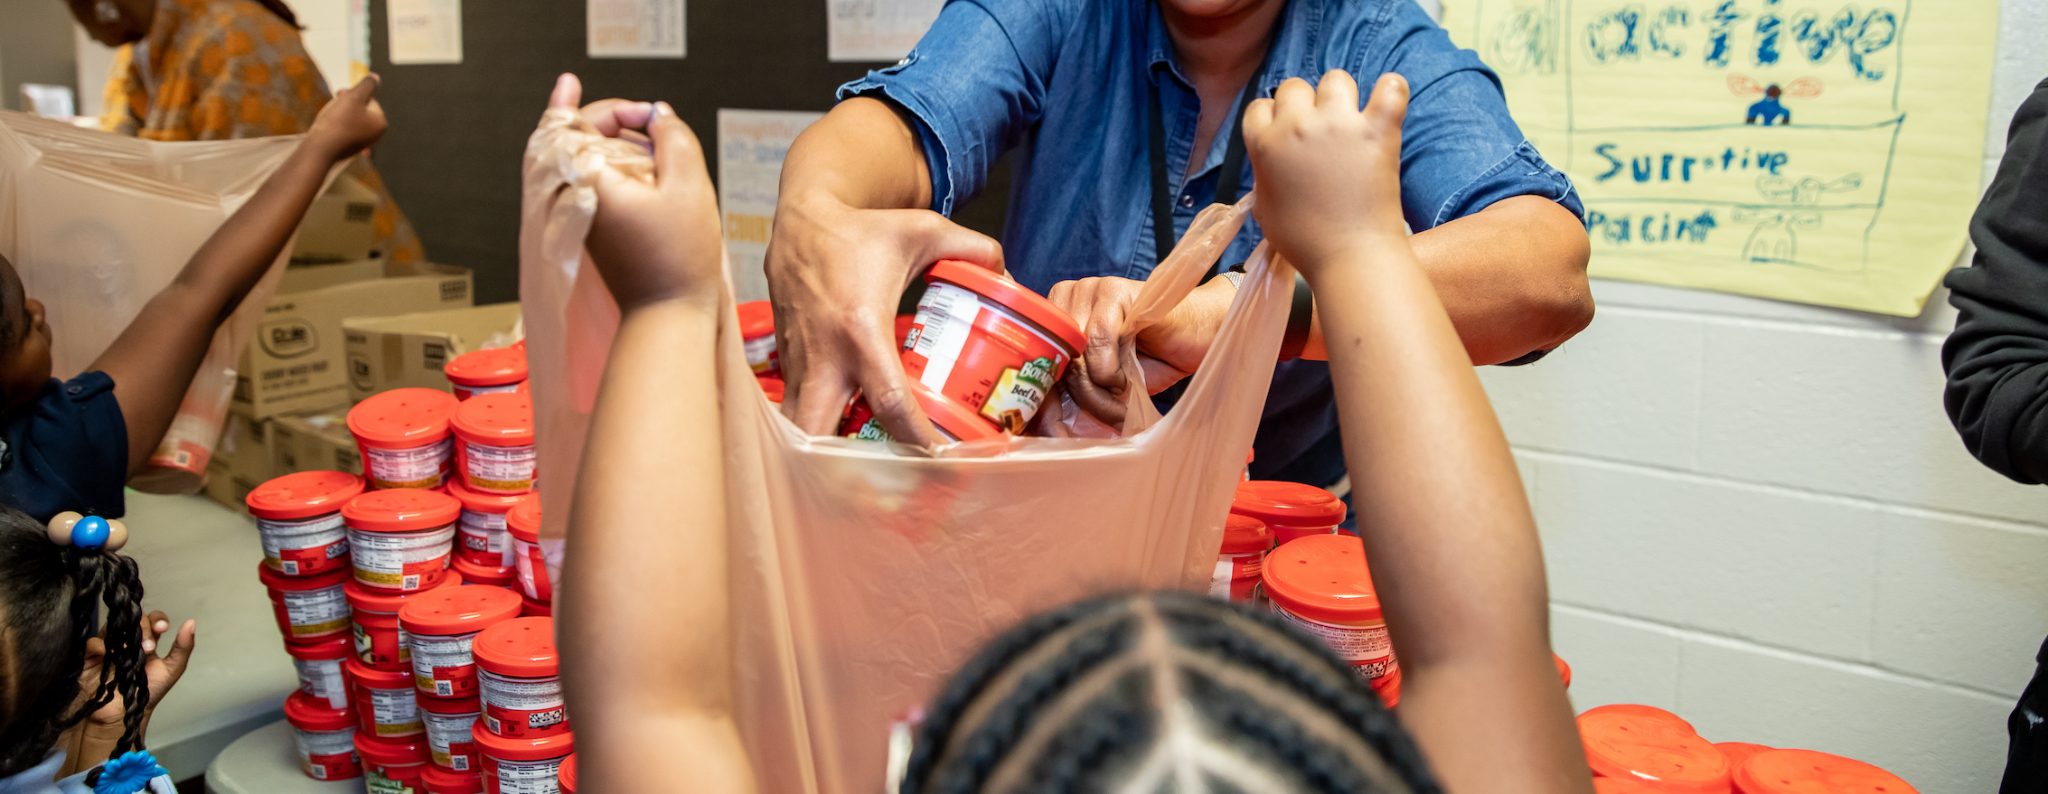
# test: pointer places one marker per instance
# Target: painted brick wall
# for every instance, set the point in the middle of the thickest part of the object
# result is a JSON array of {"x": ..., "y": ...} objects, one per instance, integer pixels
[{"x": 1757, "y": 515}]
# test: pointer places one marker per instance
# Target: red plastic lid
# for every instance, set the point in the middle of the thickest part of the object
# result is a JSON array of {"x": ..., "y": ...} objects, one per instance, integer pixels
[
  {"x": 1032, "y": 306},
  {"x": 381, "y": 751},
  {"x": 1641, "y": 711},
  {"x": 1288, "y": 504},
  {"x": 1622, "y": 785},
  {"x": 1653, "y": 749},
  {"x": 402, "y": 418},
  {"x": 519, "y": 648},
  {"x": 503, "y": 419},
  {"x": 1739, "y": 752},
  {"x": 278, "y": 581},
  {"x": 523, "y": 520},
  {"x": 952, "y": 417},
  {"x": 1323, "y": 578},
  {"x": 401, "y": 510},
  {"x": 303, "y": 495},
  {"x": 457, "y": 610},
  {"x": 315, "y": 650},
  {"x": 1810, "y": 772},
  {"x": 1564, "y": 671},
  {"x": 475, "y": 502},
  {"x": 468, "y": 705},
  {"x": 308, "y": 713},
  {"x": 441, "y": 781},
  {"x": 1244, "y": 535},
  {"x": 364, "y": 599},
  {"x": 373, "y": 678},
  {"x": 540, "y": 748},
  {"x": 567, "y": 774},
  {"x": 773, "y": 387},
  {"x": 494, "y": 367},
  {"x": 487, "y": 575},
  {"x": 532, "y": 608},
  {"x": 757, "y": 319}
]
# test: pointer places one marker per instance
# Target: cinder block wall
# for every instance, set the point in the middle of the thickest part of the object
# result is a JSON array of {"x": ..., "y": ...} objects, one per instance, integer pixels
[{"x": 1757, "y": 515}]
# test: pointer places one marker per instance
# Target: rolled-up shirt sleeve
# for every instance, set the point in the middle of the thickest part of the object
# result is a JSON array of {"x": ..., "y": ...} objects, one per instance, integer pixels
[
  {"x": 1461, "y": 150},
  {"x": 974, "y": 83},
  {"x": 1997, "y": 357}
]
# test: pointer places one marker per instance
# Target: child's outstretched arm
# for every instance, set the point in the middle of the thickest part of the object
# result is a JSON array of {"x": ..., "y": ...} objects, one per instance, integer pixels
[
  {"x": 153, "y": 361},
  {"x": 1447, "y": 529},
  {"x": 642, "y": 587}
]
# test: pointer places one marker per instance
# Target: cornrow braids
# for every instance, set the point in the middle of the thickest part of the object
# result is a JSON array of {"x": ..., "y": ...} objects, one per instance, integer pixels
[
  {"x": 50, "y": 602},
  {"x": 1161, "y": 692}
]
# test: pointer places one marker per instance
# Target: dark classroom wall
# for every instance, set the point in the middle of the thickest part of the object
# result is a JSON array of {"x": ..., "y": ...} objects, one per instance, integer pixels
[{"x": 452, "y": 156}]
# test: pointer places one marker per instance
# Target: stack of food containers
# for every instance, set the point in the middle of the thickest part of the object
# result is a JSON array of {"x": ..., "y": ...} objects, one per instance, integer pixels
[
  {"x": 1320, "y": 584},
  {"x": 402, "y": 540},
  {"x": 440, "y": 628},
  {"x": 306, "y": 567},
  {"x": 528, "y": 562},
  {"x": 403, "y": 437},
  {"x": 524, "y": 737}
]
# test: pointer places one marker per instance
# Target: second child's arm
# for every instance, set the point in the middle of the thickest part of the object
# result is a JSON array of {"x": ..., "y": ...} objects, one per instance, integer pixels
[
  {"x": 153, "y": 360},
  {"x": 1451, "y": 541}
]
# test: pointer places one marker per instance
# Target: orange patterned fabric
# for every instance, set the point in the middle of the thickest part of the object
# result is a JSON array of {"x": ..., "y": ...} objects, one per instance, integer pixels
[{"x": 225, "y": 69}]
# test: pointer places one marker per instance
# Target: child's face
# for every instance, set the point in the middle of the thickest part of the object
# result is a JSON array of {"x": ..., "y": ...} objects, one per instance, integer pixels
[{"x": 24, "y": 342}]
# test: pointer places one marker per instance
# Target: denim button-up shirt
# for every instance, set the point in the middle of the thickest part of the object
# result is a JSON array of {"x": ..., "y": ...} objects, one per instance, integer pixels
[{"x": 1066, "y": 83}]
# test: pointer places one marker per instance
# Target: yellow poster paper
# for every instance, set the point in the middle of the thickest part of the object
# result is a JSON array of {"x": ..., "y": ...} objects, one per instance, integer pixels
[{"x": 1819, "y": 151}]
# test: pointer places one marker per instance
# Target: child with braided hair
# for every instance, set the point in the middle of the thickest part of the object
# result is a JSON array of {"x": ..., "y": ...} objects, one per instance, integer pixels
[
  {"x": 71, "y": 695},
  {"x": 1150, "y": 692}
]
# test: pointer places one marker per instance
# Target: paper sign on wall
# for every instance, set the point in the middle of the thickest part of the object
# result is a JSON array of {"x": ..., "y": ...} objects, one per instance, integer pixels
[
  {"x": 424, "y": 31},
  {"x": 876, "y": 30},
  {"x": 751, "y": 147},
  {"x": 1819, "y": 151},
  {"x": 635, "y": 28}
]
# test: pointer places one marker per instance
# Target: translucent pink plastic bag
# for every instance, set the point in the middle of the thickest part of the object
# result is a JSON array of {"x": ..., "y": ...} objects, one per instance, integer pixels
[
  {"x": 863, "y": 577},
  {"x": 98, "y": 223}
]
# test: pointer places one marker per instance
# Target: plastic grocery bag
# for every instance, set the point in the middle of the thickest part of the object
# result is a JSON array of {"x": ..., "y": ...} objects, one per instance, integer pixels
[
  {"x": 98, "y": 223},
  {"x": 862, "y": 577}
]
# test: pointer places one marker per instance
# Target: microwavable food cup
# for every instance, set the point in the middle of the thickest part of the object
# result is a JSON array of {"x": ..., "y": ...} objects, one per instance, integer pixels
[
  {"x": 953, "y": 421},
  {"x": 441, "y": 781},
  {"x": 307, "y": 607},
  {"x": 1799, "y": 771},
  {"x": 403, "y": 436},
  {"x": 567, "y": 774},
  {"x": 448, "y": 721},
  {"x": 524, "y": 524},
  {"x": 1320, "y": 584},
  {"x": 298, "y": 519},
  {"x": 518, "y": 766},
  {"x": 325, "y": 737},
  {"x": 392, "y": 766},
  {"x": 400, "y": 540},
  {"x": 988, "y": 343},
  {"x": 494, "y": 444},
  {"x": 439, "y": 626},
  {"x": 773, "y": 387},
  {"x": 1238, "y": 563},
  {"x": 757, "y": 335},
  {"x": 1290, "y": 509},
  {"x": 521, "y": 679},
  {"x": 384, "y": 703},
  {"x": 504, "y": 576},
  {"x": 319, "y": 664},
  {"x": 480, "y": 534},
  {"x": 493, "y": 371},
  {"x": 1655, "y": 748},
  {"x": 380, "y": 642}
]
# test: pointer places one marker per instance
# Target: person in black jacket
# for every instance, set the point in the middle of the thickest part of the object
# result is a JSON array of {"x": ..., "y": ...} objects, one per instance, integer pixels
[{"x": 1997, "y": 363}]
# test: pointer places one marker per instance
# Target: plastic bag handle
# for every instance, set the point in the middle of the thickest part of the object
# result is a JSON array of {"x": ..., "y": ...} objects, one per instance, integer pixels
[{"x": 1170, "y": 283}]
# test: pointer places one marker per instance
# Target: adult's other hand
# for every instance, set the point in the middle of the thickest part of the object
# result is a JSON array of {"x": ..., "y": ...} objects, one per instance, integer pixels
[{"x": 1168, "y": 351}]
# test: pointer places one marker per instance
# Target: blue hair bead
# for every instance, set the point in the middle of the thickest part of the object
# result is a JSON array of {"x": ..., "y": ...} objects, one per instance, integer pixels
[
  {"x": 90, "y": 532},
  {"x": 130, "y": 773}
]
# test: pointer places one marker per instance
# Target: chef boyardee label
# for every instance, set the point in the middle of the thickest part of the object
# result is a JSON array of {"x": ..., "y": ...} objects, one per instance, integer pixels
[{"x": 1018, "y": 393}]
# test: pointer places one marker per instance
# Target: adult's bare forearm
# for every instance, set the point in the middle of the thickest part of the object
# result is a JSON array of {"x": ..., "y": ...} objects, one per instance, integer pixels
[
  {"x": 1512, "y": 277},
  {"x": 864, "y": 154}
]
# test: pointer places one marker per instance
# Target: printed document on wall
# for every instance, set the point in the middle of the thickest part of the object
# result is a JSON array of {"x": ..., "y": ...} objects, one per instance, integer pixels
[
  {"x": 1818, "y": 151},
  {"x": 635, "y": 28},
  {"x": 876, "y": 30},
  {"x": 751, "y": 146},
  {"x": 424, "y": 31}
]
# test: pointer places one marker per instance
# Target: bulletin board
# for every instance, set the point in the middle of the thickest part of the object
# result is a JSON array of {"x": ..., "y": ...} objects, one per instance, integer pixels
[
  {"x": 1817, "y": 151},
  {"x": 451, "y": 158}
]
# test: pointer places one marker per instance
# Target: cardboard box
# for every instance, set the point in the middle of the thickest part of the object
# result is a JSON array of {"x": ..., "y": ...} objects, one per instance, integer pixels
[
  {"x": 405, "y": 350},
  {"x": 242, "y": 461},
  {"x": 297, "y": 364},
  {"x": 340, "y": 226},
  {"x": 313, "y": 443}
]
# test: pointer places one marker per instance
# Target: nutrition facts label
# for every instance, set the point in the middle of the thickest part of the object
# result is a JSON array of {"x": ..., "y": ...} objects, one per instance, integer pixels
[
  {"x": 437, "y": 661},
  {"x": 946, "y": 314},
  {"x": 399, "y": 559},
  {"x": 316, "y": 612},
  {"x": 499, "y": 469},
  {"x": 394, "y": 712},
  {"x": 446, "y": 732},
  {"x": 416, "y": 467},
  {"x": 1361, "y": 645},
  {"x": 320, "y": 532},
  {"x": 529, "y": 777}
]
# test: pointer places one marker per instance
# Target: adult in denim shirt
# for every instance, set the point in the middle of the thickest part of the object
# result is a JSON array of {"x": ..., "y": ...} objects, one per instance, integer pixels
[{"x": 1067, "y": 84}]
